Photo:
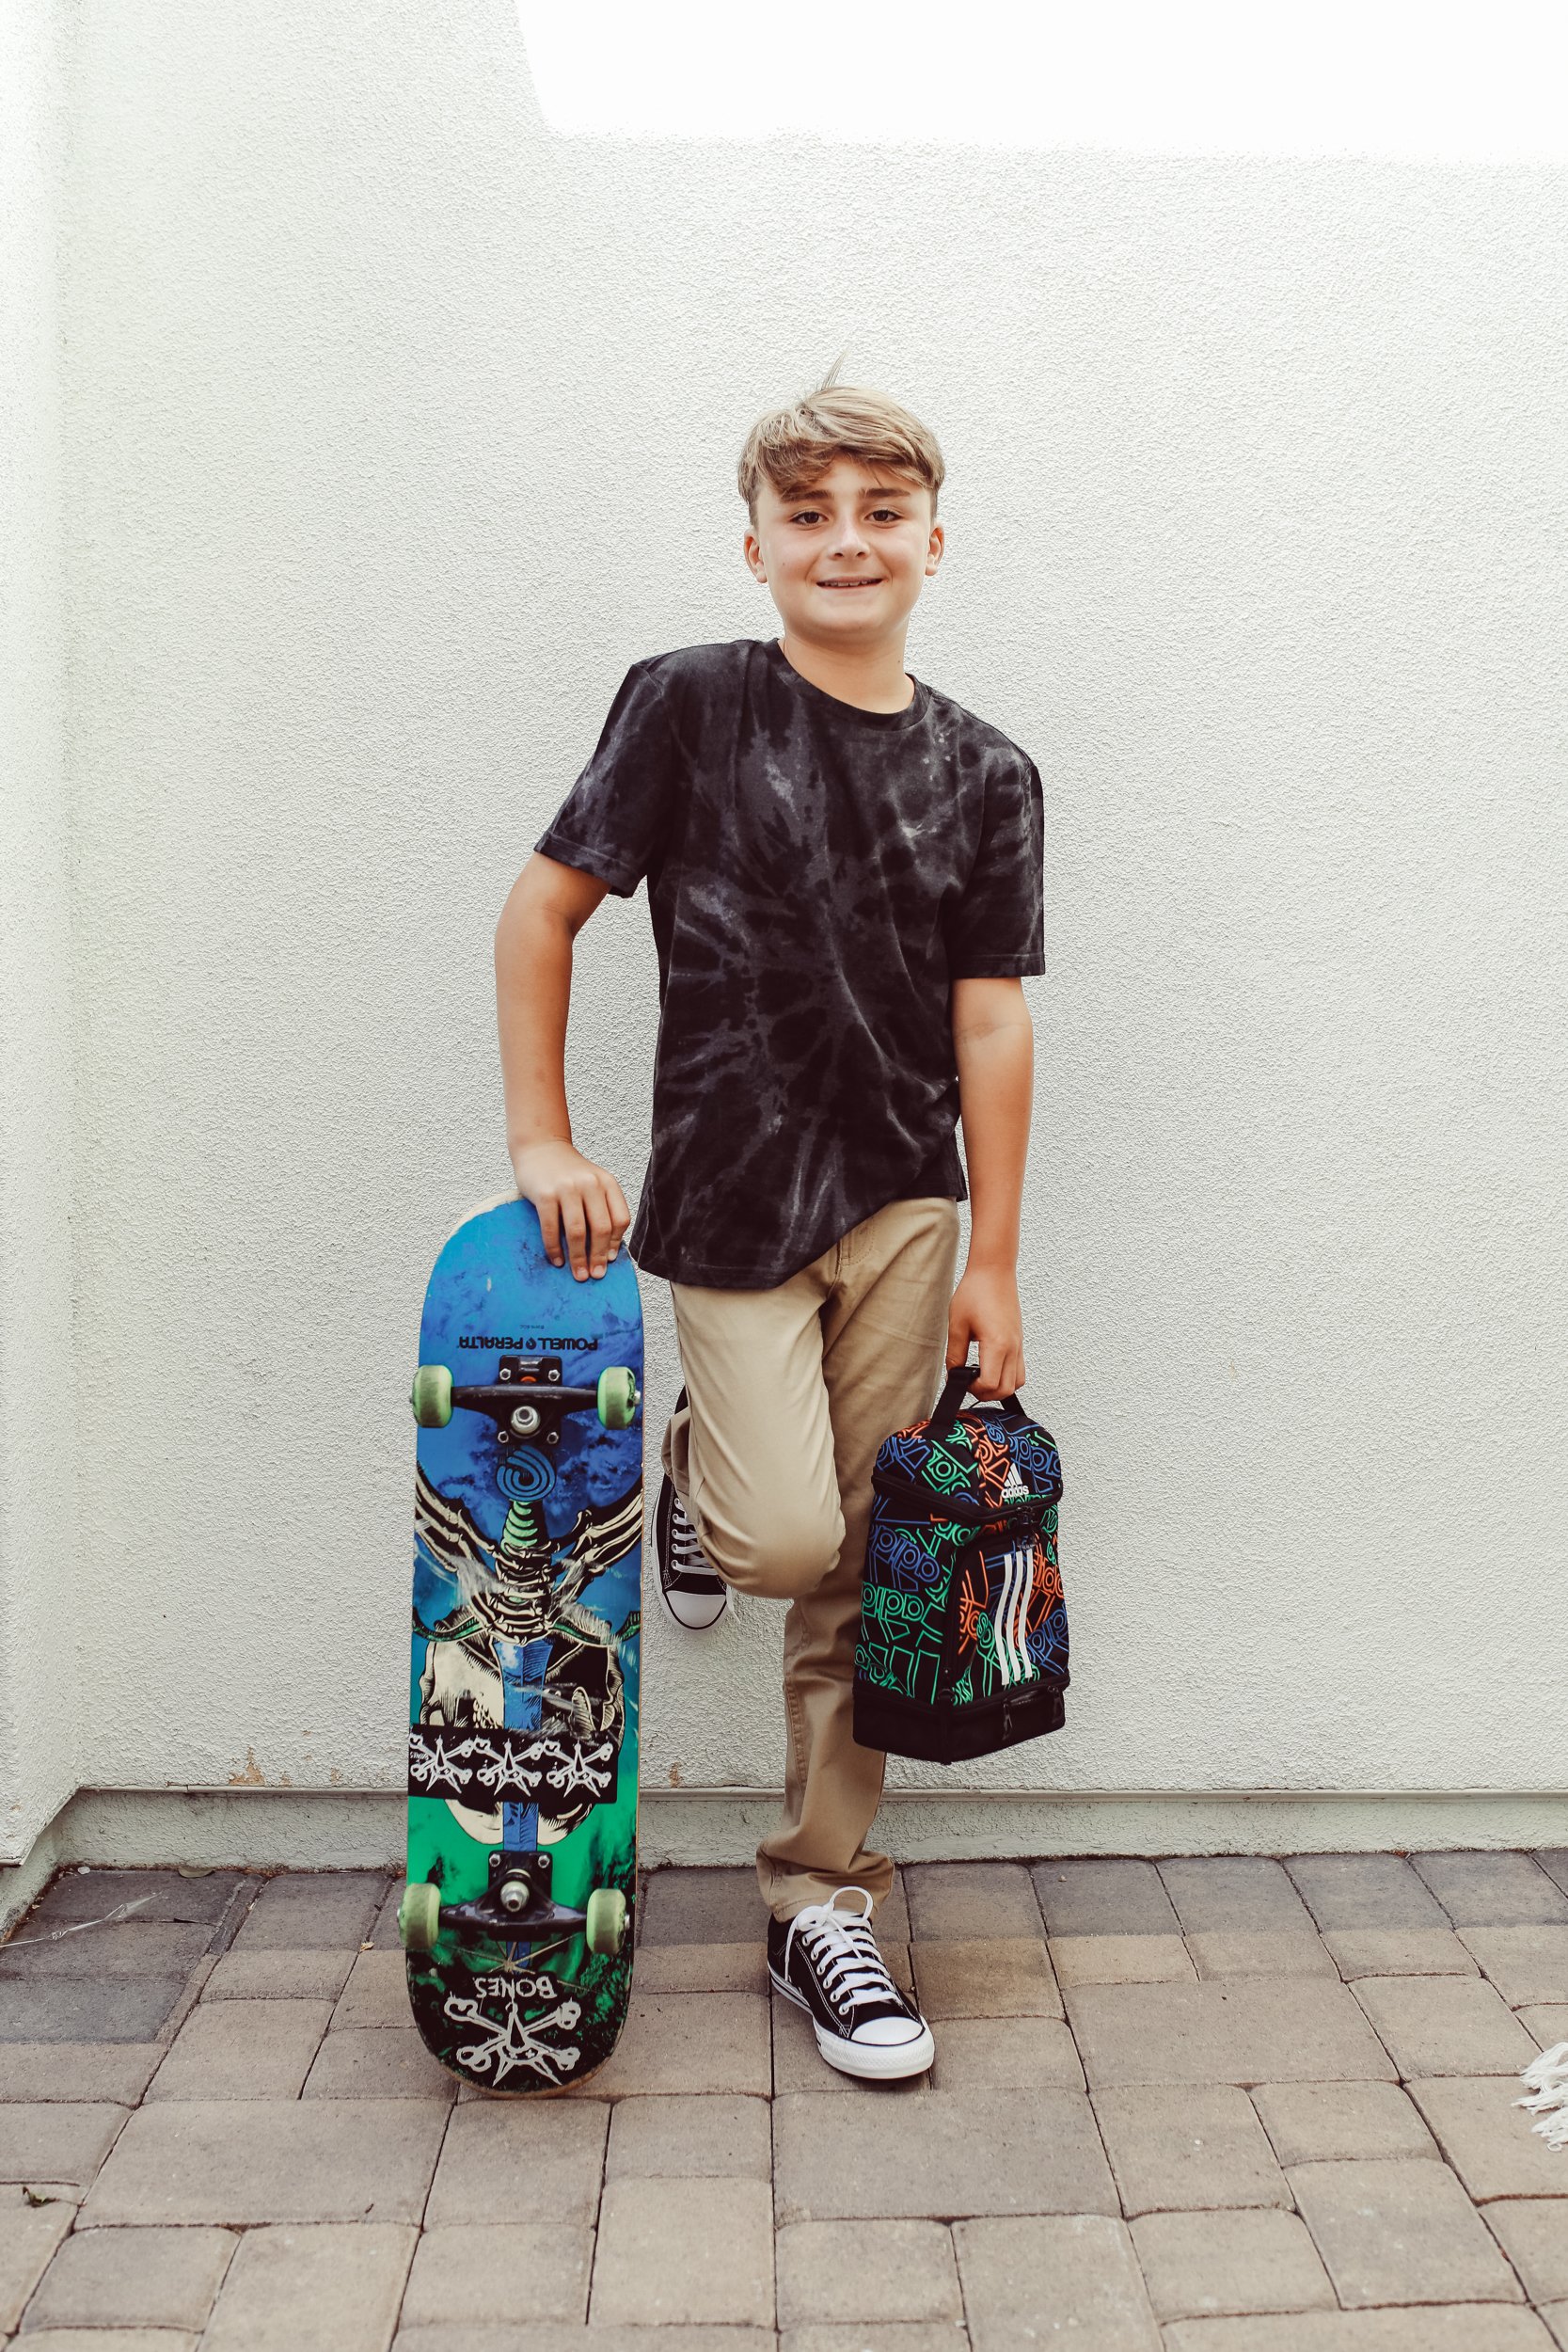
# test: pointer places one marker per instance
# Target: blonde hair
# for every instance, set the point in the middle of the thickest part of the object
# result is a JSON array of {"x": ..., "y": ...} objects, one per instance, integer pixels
[{"x": 794, "y": 446}]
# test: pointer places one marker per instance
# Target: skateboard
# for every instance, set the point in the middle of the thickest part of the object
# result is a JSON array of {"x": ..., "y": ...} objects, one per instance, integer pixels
[{"x": 517, "y": 1918}]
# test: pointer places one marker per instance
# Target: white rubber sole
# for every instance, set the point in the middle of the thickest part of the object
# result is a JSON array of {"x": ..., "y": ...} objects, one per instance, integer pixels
[
  {"x": 869, "y": 2063},
  {"x": 716, "y": 1610}
]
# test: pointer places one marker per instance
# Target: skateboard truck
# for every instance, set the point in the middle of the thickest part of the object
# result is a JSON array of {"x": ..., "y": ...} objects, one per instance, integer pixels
[
  {"x": 518, "y": 1904},
  {"x": 527, "y": 1400},
  {"x": 518, "y": 1907}
]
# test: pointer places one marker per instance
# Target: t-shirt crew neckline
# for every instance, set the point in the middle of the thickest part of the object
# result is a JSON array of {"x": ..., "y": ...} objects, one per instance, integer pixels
[{"x": 911, "y": 714}]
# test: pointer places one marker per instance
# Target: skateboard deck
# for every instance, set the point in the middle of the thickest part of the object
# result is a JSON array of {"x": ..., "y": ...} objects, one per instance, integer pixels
[{"x": 517, "y": 1918}]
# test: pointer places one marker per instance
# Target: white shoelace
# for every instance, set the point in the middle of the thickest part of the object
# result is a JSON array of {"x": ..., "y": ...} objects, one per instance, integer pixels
[
  {"x": 686, "y": 1551},
  {"x": 844, "y": 1952}
]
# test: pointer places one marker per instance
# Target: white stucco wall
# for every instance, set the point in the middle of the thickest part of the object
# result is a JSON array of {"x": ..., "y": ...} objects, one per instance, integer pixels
[
  {"x": 39, "y": 1545},
  {"x": 400, "y": 427}
]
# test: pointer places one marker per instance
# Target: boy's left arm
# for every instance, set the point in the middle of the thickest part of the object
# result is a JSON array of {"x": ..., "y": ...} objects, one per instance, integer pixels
[{"x": 993, "y": 1043}]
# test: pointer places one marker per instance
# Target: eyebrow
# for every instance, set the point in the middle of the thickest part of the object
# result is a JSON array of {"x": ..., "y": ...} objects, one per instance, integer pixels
[{"x": 891, "y": 491}]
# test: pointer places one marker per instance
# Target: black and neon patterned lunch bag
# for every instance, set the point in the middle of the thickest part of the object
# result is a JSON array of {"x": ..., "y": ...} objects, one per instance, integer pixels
[{"x": 963, "y": 1641}]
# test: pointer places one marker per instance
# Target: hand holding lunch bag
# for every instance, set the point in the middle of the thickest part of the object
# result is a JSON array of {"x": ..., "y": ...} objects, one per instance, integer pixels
[{"x": 963, "y": 1641}]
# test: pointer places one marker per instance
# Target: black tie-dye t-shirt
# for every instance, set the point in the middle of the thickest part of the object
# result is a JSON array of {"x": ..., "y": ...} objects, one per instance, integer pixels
[{"x": 817, "y": 875}]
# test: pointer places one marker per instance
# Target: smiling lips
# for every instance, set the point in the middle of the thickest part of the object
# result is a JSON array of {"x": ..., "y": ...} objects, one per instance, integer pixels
[{"x": 850, "y": 583}]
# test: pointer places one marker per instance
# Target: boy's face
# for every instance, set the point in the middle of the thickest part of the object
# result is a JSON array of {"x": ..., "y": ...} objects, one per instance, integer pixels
[{"x": 855, "y": 522}]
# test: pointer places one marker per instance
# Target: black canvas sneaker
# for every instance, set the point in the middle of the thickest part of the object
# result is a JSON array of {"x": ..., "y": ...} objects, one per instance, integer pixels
[
  {"x": 695, "y": 1596},
  {"x": 825, "y": 1961}
]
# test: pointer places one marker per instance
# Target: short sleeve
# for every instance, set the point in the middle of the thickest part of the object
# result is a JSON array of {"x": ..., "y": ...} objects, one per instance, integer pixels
[
  {"x": 616, "y": 818},
  {"x": 997, "y": 929}
]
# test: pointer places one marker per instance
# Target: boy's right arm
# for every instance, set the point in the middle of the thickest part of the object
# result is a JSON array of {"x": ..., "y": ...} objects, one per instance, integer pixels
[{"x": 582, "y": 1209}]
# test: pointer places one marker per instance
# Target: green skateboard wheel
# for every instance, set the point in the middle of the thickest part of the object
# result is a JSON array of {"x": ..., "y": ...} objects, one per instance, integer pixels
[
  {"x": 606, "y": 1925},
  {"x": 431, "y": 1396},
  {"x": 419, "y": 1917},
  {"x": 617, "y": 1397}
]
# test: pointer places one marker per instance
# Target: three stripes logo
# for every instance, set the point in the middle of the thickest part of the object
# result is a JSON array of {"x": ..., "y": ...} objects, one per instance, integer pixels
[{"x": 1010, "y": 1617}]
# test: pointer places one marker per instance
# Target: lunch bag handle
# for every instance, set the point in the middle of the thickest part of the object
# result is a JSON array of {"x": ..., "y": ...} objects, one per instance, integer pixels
[{"x": 954, "y": 1388}]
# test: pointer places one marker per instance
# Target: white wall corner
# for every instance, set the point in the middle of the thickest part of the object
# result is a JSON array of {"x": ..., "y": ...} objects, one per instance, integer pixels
[{"x": 39, "y": 1459}]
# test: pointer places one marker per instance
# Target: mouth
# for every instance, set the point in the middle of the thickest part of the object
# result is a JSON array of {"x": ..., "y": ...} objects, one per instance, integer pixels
[{"x": 844, "y": 586}]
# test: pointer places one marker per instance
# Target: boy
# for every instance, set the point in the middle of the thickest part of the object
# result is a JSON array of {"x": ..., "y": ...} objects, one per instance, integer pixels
[{"x": 844, "y": 875}]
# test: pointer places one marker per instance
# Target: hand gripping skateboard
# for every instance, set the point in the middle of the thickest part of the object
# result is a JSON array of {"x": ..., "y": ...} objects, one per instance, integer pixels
[{"x": 522, "y": 1747}]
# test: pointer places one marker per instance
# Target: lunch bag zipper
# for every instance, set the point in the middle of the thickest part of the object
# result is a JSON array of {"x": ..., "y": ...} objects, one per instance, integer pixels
[{"x": 961, "y": 1504}]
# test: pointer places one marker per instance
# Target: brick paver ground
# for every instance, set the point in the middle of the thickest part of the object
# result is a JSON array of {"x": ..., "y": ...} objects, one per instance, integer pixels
[{"x": 1221, "y": 2105}]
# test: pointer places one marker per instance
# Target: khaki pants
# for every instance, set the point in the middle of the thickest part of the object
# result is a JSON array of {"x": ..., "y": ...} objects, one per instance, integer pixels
[{"x": 790, "y": 1391}]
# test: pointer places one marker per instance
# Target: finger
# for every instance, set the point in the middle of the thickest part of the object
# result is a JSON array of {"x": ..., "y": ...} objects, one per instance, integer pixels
[
  {"x": 549, "y": 1226},
  {"x": 599, "y": 1233},
  {"x": 575, "y": 1226},
  {"x": 620, "y": 1215}
]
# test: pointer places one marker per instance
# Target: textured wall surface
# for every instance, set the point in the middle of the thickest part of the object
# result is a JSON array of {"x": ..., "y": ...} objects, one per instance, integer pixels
[
  {"x": 38, "y": 1548},
  {"x": 399, "y": 429}
]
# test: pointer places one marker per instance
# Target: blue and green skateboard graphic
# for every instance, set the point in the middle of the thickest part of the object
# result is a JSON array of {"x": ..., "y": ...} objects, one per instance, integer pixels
[{"x": 517, "y": 1918}]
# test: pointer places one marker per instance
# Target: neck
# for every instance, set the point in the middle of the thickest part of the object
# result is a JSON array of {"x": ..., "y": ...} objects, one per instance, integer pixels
[{"x": 872, "y": 676}]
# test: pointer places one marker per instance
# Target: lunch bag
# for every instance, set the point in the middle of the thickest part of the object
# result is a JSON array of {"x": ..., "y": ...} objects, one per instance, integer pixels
[{"x": 964, "y": 1644}]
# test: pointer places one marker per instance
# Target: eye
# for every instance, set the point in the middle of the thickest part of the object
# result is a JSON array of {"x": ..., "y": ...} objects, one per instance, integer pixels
[
  {"x": 892, "y": 511},
  {"x": 806, "y": 511}
]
